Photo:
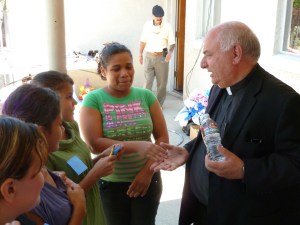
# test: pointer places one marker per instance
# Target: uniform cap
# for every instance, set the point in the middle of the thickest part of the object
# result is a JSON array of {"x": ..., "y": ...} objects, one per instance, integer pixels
[{"x": 158, "y": 11}]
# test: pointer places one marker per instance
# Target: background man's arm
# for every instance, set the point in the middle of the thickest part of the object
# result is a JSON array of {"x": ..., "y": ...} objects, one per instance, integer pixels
[
  {"x": 142, "y": 47},
  {"x": 169, "y": 55}
]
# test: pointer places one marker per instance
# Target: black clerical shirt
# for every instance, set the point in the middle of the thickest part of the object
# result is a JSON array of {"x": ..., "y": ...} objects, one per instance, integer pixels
[{"x": 223, "y": 114}]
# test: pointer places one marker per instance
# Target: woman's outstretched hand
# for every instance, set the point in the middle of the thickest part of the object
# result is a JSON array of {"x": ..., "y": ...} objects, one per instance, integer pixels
[{"x": 152, "y": 151}]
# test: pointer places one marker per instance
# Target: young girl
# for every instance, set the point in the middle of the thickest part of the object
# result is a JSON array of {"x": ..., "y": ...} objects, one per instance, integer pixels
[
  {"x": 73, "y": 148},
  {"x": 23, "y": 152},
  {"x": 120, "y": 113},
  {"x": 62, "y": 202}
]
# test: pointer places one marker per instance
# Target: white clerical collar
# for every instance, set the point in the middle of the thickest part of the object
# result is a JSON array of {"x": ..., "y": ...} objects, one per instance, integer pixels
[{"x": 228, "y": 91}]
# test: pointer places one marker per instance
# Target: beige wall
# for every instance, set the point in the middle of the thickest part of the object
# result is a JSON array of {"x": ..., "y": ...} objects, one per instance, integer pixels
[
  {"x": 88, "y": 25},
  {"x": 91, "y": 23},
  {"x": 264, "y": 17}
]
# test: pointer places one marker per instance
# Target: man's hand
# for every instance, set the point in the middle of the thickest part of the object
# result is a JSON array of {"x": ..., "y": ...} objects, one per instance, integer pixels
[
  {"x": 168, "y": 57},
  {"x": 230, "y": 168},
  {"x": 177, "y": 156}
]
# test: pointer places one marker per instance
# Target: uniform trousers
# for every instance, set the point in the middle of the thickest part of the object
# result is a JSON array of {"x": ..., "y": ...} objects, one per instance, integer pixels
[{"x": 156, "y": 67}]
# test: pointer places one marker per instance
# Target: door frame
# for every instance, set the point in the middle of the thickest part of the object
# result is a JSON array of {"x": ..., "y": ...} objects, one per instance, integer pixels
[{"x": 180, "y": 39}]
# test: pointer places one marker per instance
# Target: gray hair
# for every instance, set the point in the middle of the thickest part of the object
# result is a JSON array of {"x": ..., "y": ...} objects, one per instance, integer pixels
[{"x": 231, "y": 33}]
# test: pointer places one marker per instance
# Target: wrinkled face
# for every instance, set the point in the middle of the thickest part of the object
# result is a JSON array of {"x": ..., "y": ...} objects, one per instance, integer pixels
[
  {"x": 67, "y": 102},
  {"x": 27, "y": 189},
  {"x": 55, "y": 135},
  {"x": 119, "y": 72},
  {"x": 218, "y": 62}
]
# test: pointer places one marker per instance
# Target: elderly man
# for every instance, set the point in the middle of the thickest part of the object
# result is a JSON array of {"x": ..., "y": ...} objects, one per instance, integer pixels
[
  {"x": 156, "y": 37},
  {"x": 258, "y": 115}
]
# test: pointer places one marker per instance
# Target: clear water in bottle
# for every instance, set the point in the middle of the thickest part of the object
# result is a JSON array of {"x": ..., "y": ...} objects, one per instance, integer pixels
[{"x": 211, "y": 137}]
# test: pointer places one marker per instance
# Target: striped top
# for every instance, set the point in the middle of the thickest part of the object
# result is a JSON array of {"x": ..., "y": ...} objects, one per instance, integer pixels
[{"x": 124, "y": 119}]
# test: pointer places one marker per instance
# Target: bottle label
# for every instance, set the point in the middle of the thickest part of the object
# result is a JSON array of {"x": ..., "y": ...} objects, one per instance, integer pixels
[{"x": 212, "y": 128}]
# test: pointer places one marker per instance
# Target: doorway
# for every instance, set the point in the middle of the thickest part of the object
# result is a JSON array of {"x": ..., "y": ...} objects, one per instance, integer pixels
[{"x": 180, "y": 39}]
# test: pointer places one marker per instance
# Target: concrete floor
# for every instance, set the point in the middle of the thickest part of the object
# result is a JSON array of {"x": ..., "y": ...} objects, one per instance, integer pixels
[{"x": 168, "y": 211}]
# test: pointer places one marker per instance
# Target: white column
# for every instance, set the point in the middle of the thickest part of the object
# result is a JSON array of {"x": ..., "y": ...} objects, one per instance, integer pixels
[{"x": 56, "y": 46}]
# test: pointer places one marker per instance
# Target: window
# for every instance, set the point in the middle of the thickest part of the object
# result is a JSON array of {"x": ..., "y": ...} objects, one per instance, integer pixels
[
  {"x": 208, "y": 15},
  {"x": 291, "y": 41}
]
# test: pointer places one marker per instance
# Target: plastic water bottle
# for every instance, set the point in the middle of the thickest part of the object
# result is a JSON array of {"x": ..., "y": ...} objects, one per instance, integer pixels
[{"x": 211, "y": 137}]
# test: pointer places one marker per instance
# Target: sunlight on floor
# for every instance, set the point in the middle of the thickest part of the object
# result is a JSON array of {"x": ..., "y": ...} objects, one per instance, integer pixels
[{"x": 172, "y": 184}]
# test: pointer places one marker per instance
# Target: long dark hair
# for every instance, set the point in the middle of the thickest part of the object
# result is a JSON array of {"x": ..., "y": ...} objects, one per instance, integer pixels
[
  {"x": 33, "y": 104},
  {"x": 52, "y": 79},
  {"x": 111, "y": 49}
]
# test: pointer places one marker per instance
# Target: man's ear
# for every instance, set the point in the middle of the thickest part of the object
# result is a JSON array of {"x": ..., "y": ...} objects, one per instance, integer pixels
[
  {"x": 8, "y": 190},
  {"x": 237, "y": 53}
]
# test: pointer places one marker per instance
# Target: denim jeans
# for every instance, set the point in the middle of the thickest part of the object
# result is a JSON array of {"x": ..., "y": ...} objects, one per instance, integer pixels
[{"x": 120, "y": 209}]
